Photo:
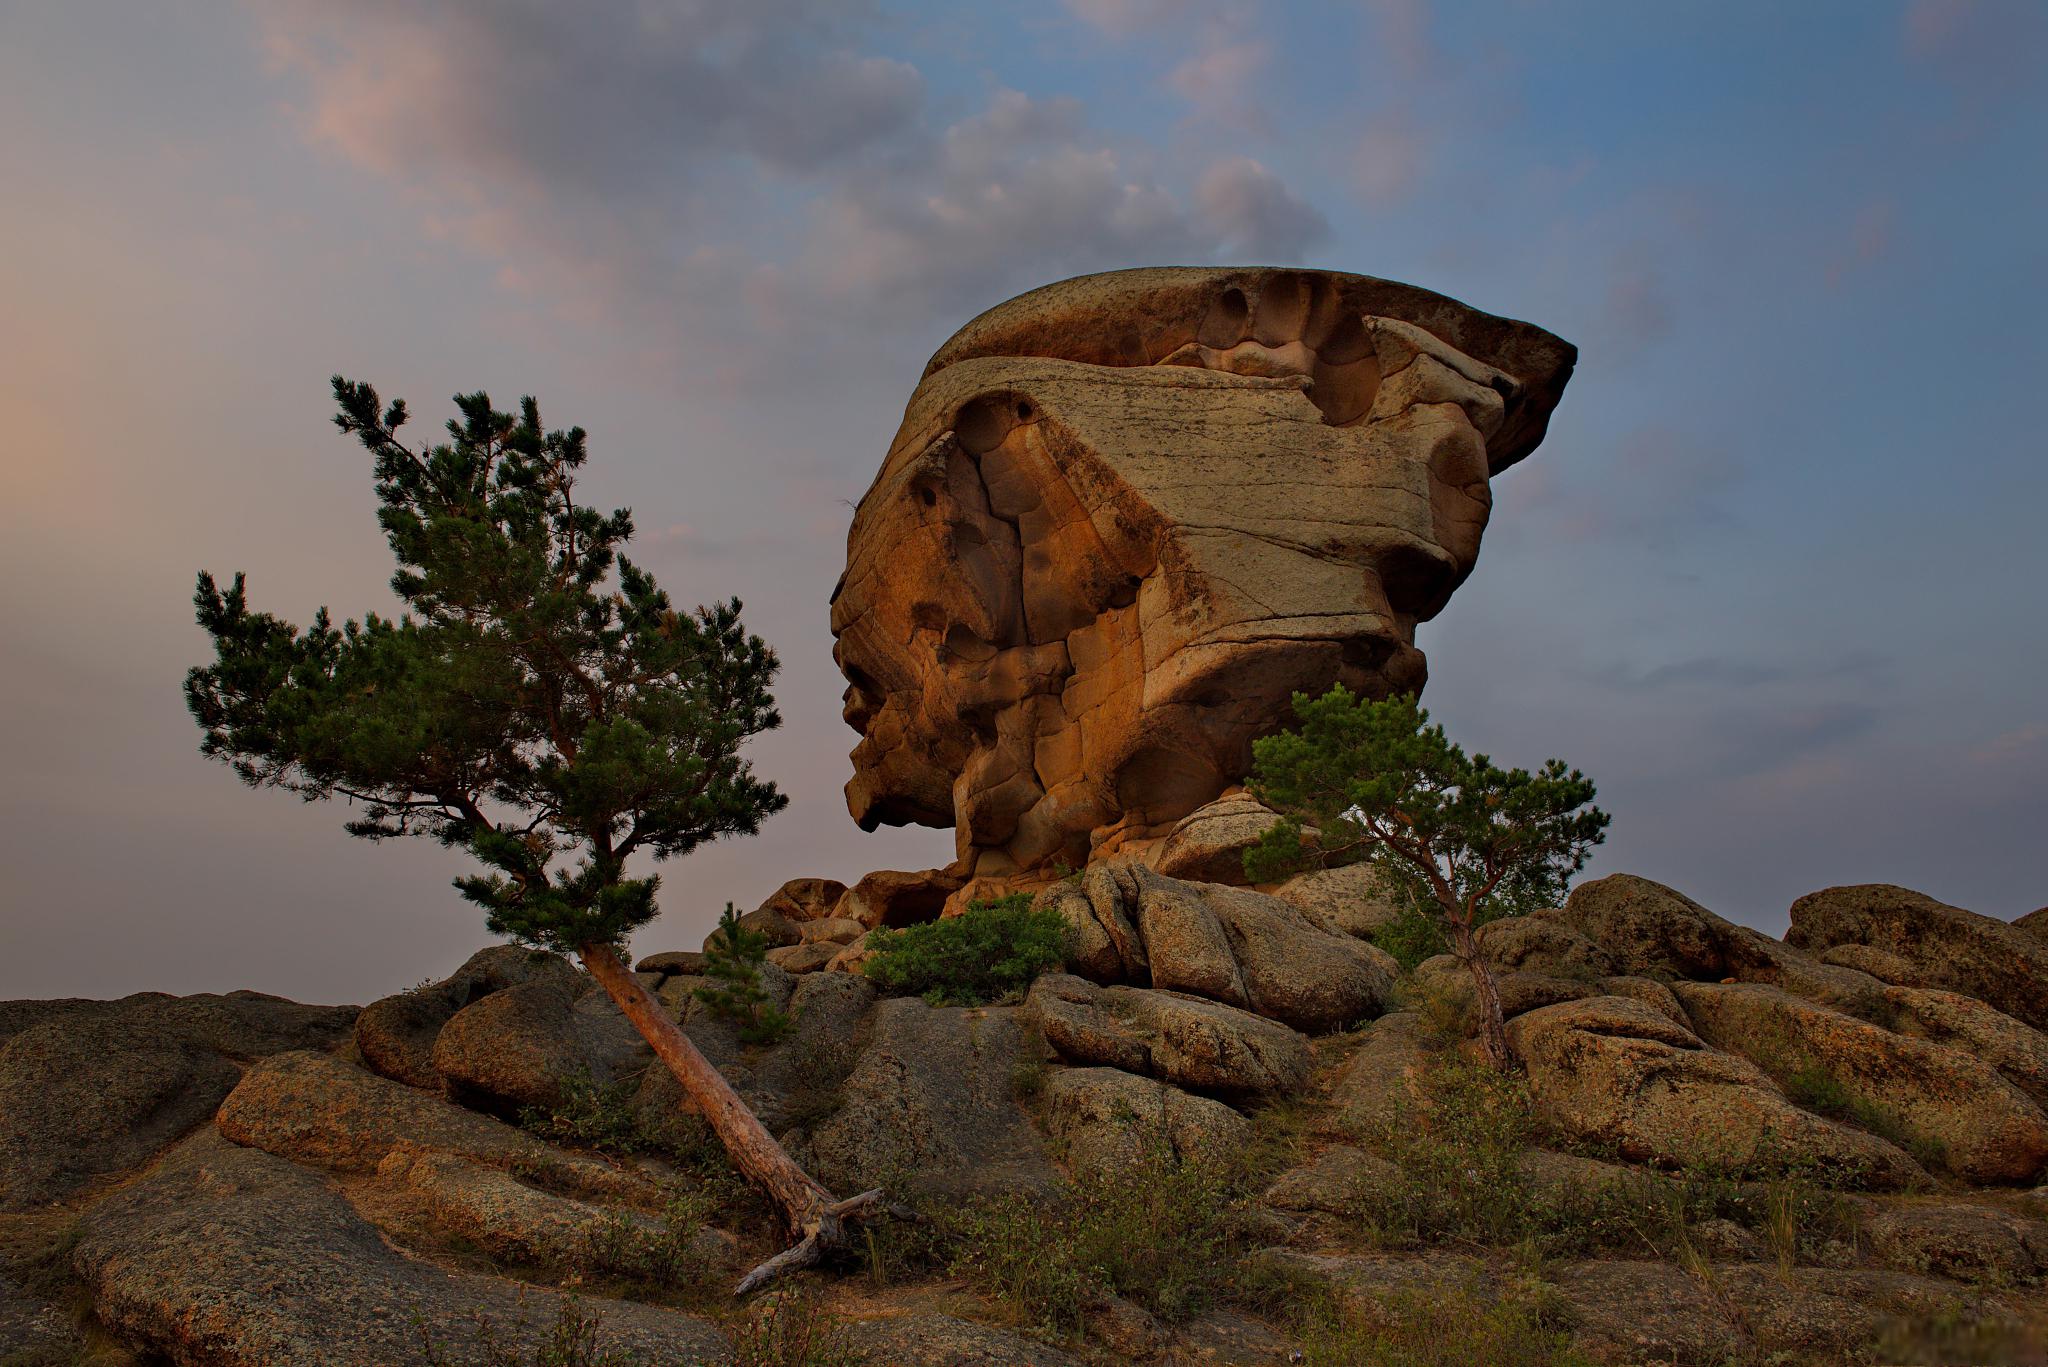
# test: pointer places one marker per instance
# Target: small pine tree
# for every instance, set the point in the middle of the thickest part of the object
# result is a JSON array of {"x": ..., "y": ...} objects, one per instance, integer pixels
[
  {"x": 733, "y": 956},
  {"x": 1453, "y": 836},
  {"x": 540, "y": 697}
]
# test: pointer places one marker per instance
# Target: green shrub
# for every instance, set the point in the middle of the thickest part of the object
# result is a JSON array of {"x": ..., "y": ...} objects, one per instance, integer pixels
[
  {"x": 1412, "y": 937},
  {"x": 732, "y": 959},
  {"x": 989, "y": 953}
]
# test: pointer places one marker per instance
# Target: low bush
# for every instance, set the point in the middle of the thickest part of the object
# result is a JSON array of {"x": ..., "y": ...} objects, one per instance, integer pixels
[{"x": 989, "y": 953}]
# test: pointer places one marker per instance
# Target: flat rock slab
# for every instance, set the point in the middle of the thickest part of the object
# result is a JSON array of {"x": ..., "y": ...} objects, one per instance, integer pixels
[
  {"x": 228, "y": 1257},
  {"x": 92, "y": 1089},
  {"x": 318, "y": 1109},
  {"x": 934, "y": 1095},
  {"x": 943, "y": 1341}
]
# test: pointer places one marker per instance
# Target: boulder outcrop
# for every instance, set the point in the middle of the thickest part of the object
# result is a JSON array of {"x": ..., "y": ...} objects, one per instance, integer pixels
[
  {"x": 1991, "y": 960},
  {"x": 1946, "y": 1103},
  {"x": 1127, "y": 515},
  {"x": 1232, "y": 945},
  {"x": 1192, "y": 1043},
  {"x": 1615, "y": 1072}
]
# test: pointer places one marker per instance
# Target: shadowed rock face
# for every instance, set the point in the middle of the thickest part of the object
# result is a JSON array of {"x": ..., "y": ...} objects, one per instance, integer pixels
[{"x": 1128, "y": 515}]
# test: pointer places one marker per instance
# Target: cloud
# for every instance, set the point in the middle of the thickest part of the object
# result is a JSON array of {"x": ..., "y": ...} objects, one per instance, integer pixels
[
  {"x": 1256, "y": 214},
  {"x": 1387, "y": 160},
  {"x": 1984, "y": 45},
  {"x": 1868, "y": 240},
  {"x": 736, "y": 189}
]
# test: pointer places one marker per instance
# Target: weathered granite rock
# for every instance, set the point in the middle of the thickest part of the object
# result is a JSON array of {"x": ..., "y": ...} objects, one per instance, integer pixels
[
  {"x": 1107, "y": 1121},
  {"x": 1341, "y": 1181},
  {"x": 1378, "y": 1091},
  {"x": 673, "y": 961},
  {"x": 928, "y": 1340},
  {"x": 768, "y": 921},
  {"x": 1952, "y": 1239},
  {"x": 833, "y": 930},
  {"x": 794, "y": 1082},
  {"x": 1614, "y": 1071},
  {"x": 806, "y": 899},
  {"x": 892, "y": 897},
  {"x": 1991, "y": 960},
  {"x": 230, "y": 1257},
  {"x": 2018, "y": 1051},
  {"x": 1650, "y": 930},
  {"x": 1232, "y": 945},
  {"x": 395, "y": 1035},
  {"x": 933, "y": 1098},
  {"x": 1196, "y": 1044},
  {"x": 1343, "y": 901},
  {"x": 528, "y": 1045},
  {"x": 91, "y": 1092},
  {"x": 318, "y": 1109},
  {"x": 804, "y": 958},
  {"x": 1126, "y": 516},
  {"x": 1208, "y": 844},
  {"x": 1943, "y": 1099},
  {"x": 514, "y": 1220}
]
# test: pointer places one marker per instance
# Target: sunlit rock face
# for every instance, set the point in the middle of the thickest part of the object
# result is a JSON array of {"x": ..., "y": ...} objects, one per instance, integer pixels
[{"x": 1128, "y": 515}]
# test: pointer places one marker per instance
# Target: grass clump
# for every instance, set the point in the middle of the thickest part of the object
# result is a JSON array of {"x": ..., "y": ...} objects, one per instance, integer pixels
[
  {"x": 789, "y": 1329},
  {"x": 1465, "y": 1178},
  {"x": 1447, "y": 1329},
  {"x": 1163, "y": 1234},
  {"x": 592, "y": 1114},
  {"x": 1816, "y": 1089},
  {"x": 989, "y": 953}
]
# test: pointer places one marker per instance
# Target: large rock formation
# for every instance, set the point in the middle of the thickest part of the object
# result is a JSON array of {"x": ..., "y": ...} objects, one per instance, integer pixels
[{"x": 1126, "y": 516}]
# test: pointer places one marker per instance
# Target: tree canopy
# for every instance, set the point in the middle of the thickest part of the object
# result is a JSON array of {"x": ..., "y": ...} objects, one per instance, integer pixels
[
  {"x": 1456, "y": 836},
  {"x": 529, "y": 704}
]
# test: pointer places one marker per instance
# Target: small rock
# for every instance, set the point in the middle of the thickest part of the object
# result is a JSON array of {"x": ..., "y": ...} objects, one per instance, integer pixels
[
  {"x": 836, "y": 930},
  {"x": 804, "y": 958},
  {"x": 1208, "y": 844},
  {"x": 674, "y": 961},
  {"x": 806, "y": 899}
]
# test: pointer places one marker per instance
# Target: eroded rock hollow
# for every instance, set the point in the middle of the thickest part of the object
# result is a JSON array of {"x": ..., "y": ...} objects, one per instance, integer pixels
[{"x": 1128, "y": 515}]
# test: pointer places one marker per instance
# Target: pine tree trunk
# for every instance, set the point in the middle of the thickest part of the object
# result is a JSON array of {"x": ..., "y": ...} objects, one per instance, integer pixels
[
  {"x": 1493, "y": 1030},
  {"x": 814, "y": 1216}
]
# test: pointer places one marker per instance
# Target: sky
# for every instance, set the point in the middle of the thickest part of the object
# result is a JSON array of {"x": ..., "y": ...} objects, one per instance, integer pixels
[{"x": 1775, "y": 580}]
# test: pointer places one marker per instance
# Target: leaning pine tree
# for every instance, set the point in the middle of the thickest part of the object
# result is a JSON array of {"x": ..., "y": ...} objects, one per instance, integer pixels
[
  {"x": 1453, "y": 836},
  {"x": 524, "y": 708}
]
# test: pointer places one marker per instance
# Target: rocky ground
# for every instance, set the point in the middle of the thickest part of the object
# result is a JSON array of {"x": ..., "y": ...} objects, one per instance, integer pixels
[{"x": 1236, "y": 1132}]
